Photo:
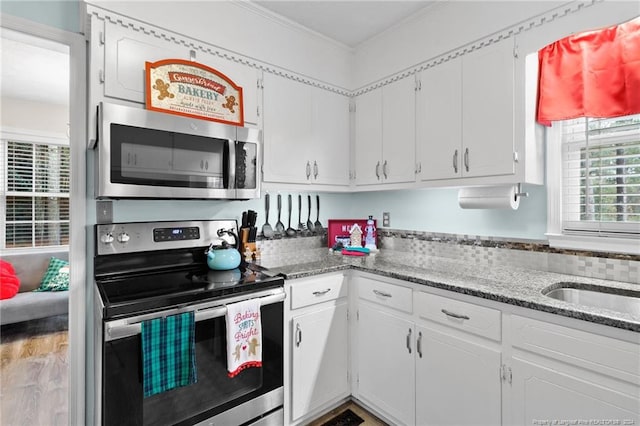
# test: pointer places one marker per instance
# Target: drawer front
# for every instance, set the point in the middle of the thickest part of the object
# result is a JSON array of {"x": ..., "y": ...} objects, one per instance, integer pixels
[
  {"x": 479, "y": 320},
  {"x": 607, "y": 355},
  {"x": 393, "y": 296},
  {"x": 317, "y": 290}
]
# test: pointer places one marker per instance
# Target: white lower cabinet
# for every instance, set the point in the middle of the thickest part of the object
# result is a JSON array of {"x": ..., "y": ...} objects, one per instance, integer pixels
[
  {"x": 318, "y": 363},
  {"x": 320, "y": 358},
  {"x": 458, "y": 362},
  {"x": 457, "y": 381},
  {"x": 421, "y": 358},
  {"x": 386, "y": 377},
  {"x": 563, "y": 375}
]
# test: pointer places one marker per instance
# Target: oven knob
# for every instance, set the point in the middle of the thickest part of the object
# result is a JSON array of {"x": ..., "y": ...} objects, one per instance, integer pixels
[
  {"x": 106, "y": 238},
  {"x": 123, "y": 237}
]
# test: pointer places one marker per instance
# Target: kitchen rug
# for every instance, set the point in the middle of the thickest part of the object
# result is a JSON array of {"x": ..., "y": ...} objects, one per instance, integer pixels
[{"x": 346, "y": 418}]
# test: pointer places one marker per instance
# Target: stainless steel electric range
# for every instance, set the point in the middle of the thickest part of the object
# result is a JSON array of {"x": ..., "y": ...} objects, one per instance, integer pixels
[{"x": 147, "y": 270}]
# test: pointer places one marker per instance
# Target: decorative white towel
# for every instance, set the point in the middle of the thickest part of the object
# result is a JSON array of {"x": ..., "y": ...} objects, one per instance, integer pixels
[{"x": 244, "y": 336}]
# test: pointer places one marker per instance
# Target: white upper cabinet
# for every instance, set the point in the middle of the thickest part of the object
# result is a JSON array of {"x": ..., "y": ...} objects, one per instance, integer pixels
[
  {"x": 368, "y": 141},
  {"x": 329, "y": 150},
  {"x": 306, "y": 133},
  {"x": 243, "y": 76},
  {"x": 286, "y": 130},
  {"x": 399, "y": 131},
  {"x": 439, "y": 121},
  {"x": 487, "y": 110},
  {"x": 466, "y": 115},
  {"x": 127, "y": 51},
  {"x": 385, "y": 134}
]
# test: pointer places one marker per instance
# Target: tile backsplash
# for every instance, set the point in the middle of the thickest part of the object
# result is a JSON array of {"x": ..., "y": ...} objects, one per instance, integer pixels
[{"x": 415, "y": 248}]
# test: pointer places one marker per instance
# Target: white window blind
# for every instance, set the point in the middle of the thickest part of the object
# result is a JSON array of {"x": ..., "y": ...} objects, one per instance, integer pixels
[
  {"x": 601, "y": 176},
  {"x": 35, "y": 194}
]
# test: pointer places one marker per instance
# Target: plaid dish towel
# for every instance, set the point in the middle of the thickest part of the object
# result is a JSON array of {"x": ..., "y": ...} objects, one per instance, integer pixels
[{"x": 168, "y": 353}]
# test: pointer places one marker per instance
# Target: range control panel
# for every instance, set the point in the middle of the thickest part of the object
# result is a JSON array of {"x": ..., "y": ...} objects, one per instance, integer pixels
[
  {"x": 176, "y": 233},
  {"x": 131, "y": 237}
]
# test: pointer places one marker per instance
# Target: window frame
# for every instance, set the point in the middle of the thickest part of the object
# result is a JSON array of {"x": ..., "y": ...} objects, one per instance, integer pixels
[
  {"x": 31, "y": 137},
  {"x": 555, "y": 234}
]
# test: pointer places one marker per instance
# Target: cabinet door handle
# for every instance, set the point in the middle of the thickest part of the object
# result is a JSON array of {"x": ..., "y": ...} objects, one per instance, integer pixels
[
  {"x": 382, "y": 293},
  {"x": 206, "y": 165},
  {"x": 315, "y": 170},
  {"x": 419, "y": 344},
  {"x": 298, "y": 335},
  {"x": 455, "y": 161},
  {"x": 378, "y": 170},
  {"x": 409, "y": 341},
  {"x": 201, "y": 164},
  {"x": 454, "y": 315},
  {"x": 384, "y": 169},
  {"x": 321, "y": 293},
  {"x": 308, "y": 170},
  {"x": 466, "y": 159}
]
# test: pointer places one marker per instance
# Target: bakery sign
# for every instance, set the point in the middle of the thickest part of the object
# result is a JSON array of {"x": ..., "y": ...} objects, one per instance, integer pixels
[{"x": 193, "y": 90}]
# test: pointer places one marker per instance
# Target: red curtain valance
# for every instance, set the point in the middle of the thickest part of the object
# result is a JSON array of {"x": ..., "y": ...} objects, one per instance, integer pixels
[{"x": 591, "y": 74}]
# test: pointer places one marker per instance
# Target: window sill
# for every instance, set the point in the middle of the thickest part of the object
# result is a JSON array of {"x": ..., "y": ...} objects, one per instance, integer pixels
[{"x": 589, "y": 243}]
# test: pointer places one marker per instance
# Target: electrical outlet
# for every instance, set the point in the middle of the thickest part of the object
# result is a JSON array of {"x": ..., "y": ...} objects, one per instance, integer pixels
[
  {"x": 386, "y": 219},
  {"x": 104, "y": 212}
]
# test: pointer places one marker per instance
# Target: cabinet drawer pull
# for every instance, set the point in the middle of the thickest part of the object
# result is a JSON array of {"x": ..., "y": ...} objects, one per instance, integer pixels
[
  {"x": 454, "y": 315},
  {"x": 384, "y": 169},
  {"x": 321, "y": 293},
  {"x": 419, "y": 344},
  {"x": 455, "y": 161},
  {"x": 382, "y": 293},
  {"x": 298, "y": 335},
  {"x": 315, "y": 170},
  {"x": 409, "y": 341},
  {"x": 378, "y": 170},
  {"x": 308, "y": 170}
]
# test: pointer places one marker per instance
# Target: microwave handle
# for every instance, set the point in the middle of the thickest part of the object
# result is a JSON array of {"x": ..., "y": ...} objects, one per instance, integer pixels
[
  {"x": 232, "y": 164},
  {"x": 93, "y": 143},
  {"x": 120, "y": 331}
]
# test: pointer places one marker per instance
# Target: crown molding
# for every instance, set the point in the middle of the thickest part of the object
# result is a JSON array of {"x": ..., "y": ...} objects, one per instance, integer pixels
[
  {"x": 202, "y": 46},
  {"x": 199, "y": 45}
]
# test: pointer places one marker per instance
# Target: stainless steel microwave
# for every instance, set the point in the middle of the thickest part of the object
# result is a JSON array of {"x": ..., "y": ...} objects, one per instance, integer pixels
[{"x": 148, "y": 154}]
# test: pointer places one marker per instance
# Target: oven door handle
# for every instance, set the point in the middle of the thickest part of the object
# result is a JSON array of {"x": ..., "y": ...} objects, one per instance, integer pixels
[{"x": 120, "y": 330}]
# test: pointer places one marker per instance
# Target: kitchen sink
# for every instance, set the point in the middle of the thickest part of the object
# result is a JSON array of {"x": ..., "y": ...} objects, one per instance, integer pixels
[{"x": 614, "y": 299}]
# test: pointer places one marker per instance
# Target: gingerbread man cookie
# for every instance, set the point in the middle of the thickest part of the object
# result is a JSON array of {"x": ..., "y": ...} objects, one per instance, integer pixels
[
  {"x": 236, "y": 353},
  {"x": 253, "y": 344},
  {"x": 163, "y": 88},
  {"x": 231, "y": 103}
]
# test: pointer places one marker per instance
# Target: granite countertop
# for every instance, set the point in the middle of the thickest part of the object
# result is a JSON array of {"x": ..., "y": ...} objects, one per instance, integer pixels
[{"x": 515, "y": 286}]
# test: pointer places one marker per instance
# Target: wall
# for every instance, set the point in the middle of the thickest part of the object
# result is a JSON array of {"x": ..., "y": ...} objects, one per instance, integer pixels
[
  {"x": 34, "y": 116},
  {"x": 437, "y": 210},
  {"x": 63, "y": 14},
  {"x": 439, "y": 29},
  {"x": 442, "y": 27}
]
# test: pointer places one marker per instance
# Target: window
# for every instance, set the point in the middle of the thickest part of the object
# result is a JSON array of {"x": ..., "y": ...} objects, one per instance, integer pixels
[
  {"x": 601, "y": 175},
  {"x": 35, "y": 194},
  {"x": 598, "y": 182}
]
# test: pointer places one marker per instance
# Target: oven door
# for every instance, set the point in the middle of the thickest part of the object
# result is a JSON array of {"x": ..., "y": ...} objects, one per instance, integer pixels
[{"x": 256, "y": 394}]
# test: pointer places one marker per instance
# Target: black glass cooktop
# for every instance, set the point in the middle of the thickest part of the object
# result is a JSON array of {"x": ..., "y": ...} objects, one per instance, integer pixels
[{"x": 147, "y": 291}]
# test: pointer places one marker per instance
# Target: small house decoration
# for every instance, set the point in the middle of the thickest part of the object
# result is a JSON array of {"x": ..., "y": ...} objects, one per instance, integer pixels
[{"x": 355, "y": 235}]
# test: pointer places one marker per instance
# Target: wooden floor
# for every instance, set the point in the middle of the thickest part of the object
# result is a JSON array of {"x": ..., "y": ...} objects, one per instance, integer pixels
[
  {"x": 34, "y": 382},
  {"x": 369, "y": 419}
]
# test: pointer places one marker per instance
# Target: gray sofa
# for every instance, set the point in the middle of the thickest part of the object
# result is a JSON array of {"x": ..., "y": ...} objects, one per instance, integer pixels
[{"x": 27, "y": 304}]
